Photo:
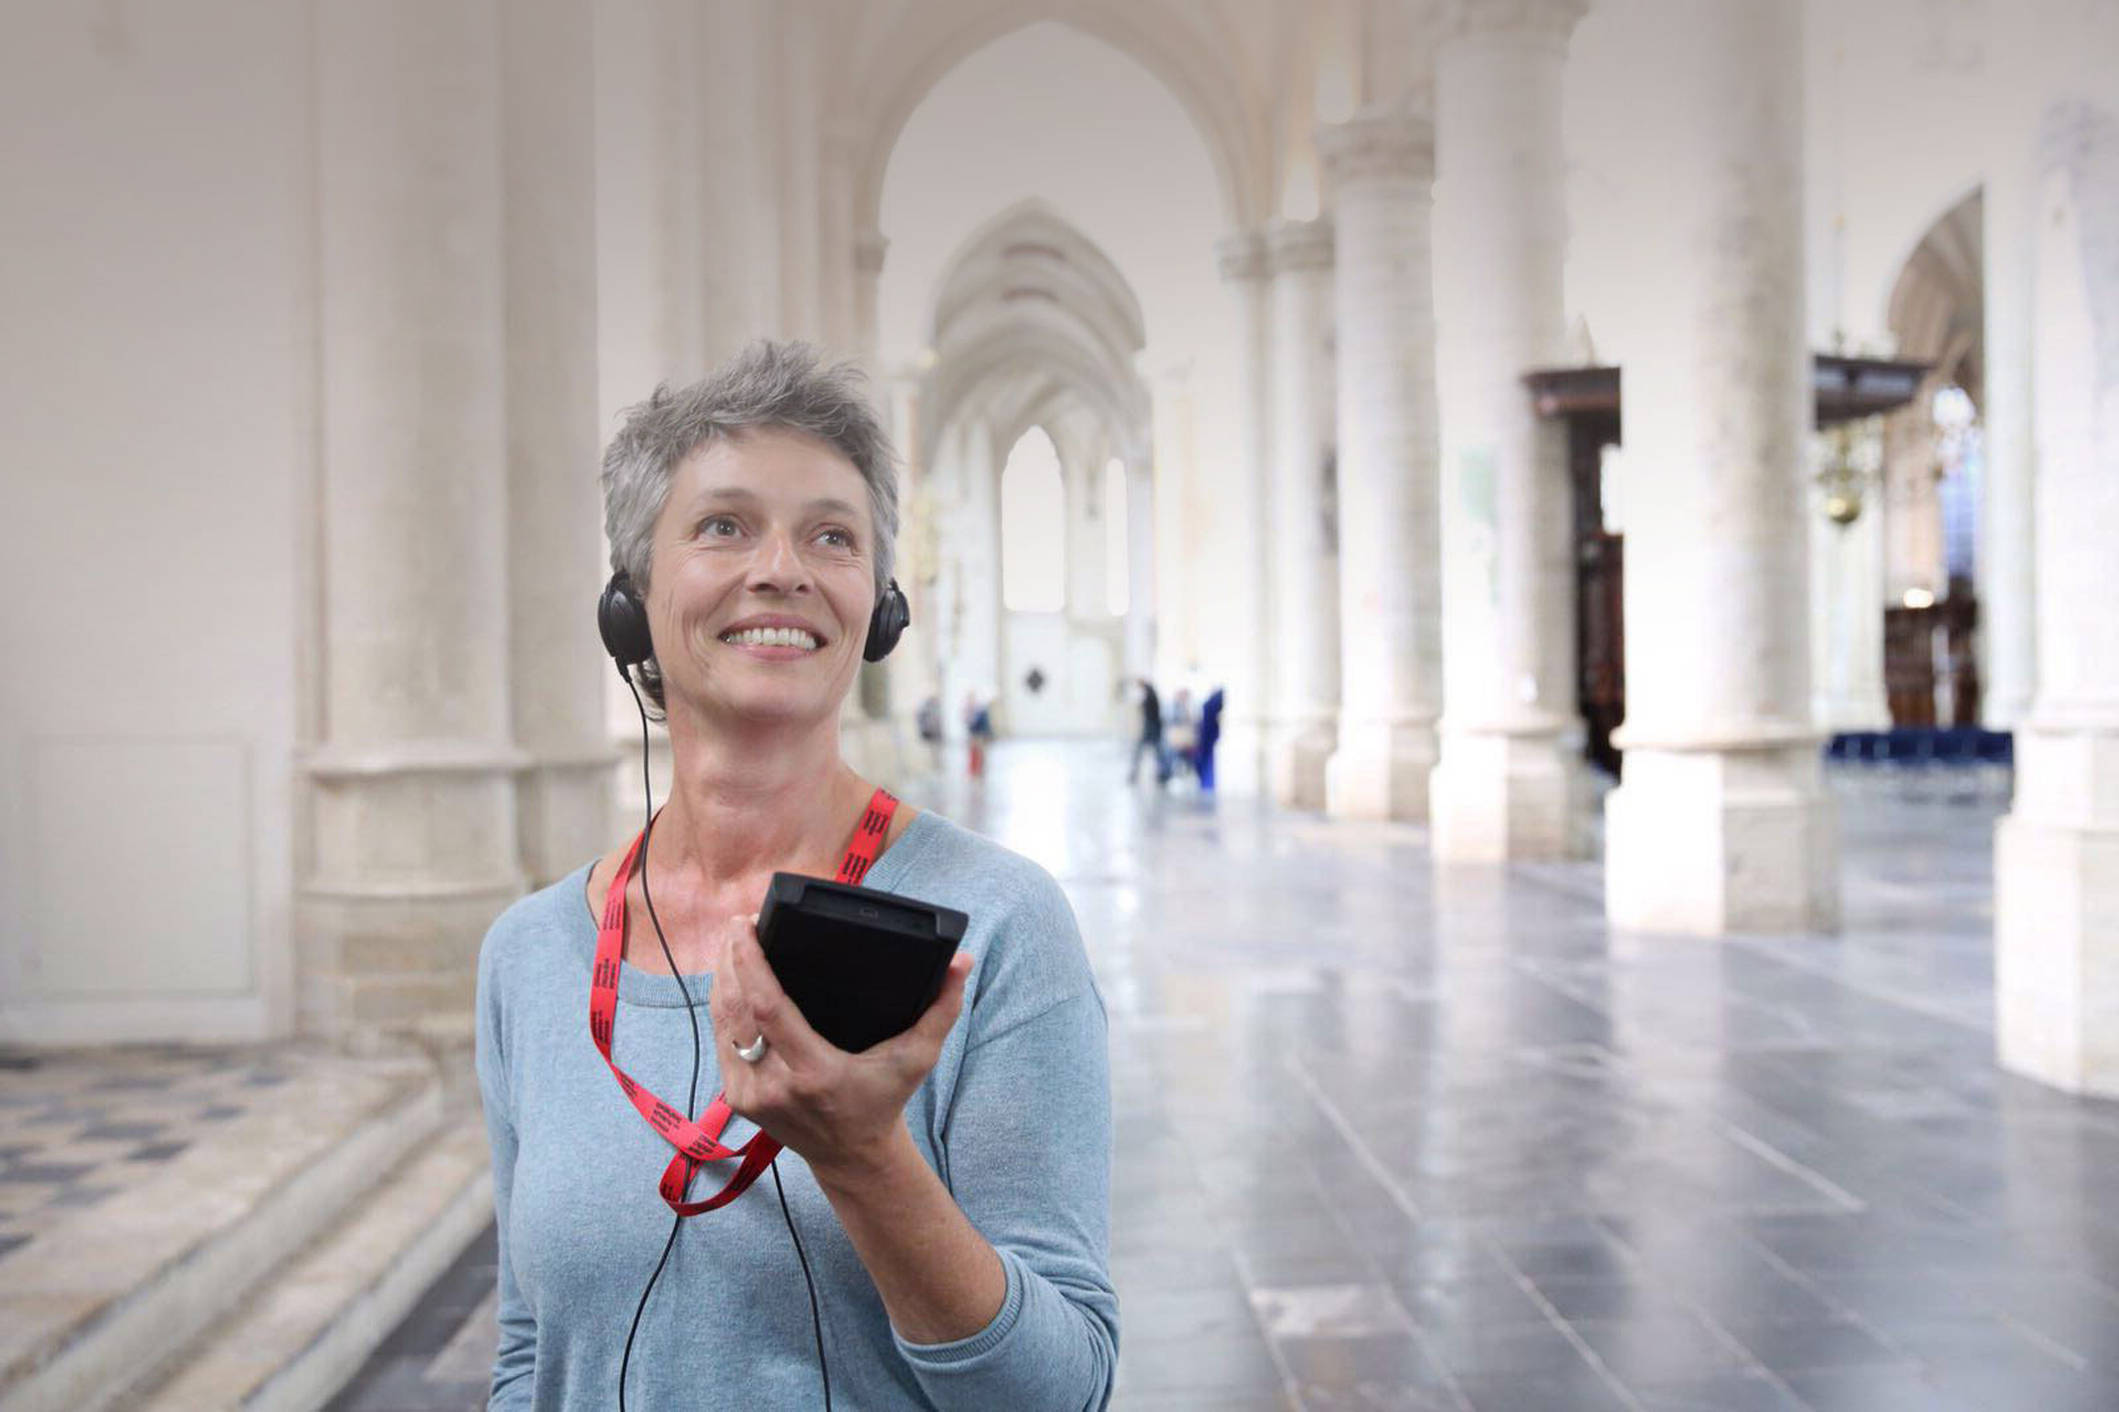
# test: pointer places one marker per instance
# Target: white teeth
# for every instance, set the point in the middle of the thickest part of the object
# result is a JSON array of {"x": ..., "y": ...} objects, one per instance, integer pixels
[{"x": 772, "y": 637}]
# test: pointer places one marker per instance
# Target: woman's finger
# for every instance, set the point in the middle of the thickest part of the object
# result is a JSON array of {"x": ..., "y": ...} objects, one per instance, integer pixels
[
  {"x": 779, "y": 1019},
  {"x": 728, "y": 1004}
]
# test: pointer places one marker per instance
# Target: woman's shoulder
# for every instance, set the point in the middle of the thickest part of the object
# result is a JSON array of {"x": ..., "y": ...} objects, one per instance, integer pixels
[
  {"x": 1022, "y": 930},
  {"x": 538, "y": 929},
  {"x": 947, "y": 857}
]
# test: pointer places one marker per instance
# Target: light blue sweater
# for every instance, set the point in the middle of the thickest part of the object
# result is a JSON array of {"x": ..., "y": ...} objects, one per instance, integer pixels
[{"x": 1016, "y": 1118}]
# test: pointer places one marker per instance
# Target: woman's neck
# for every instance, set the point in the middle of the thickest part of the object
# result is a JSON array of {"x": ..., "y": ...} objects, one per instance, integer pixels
[{"x": 755, "y": 801}]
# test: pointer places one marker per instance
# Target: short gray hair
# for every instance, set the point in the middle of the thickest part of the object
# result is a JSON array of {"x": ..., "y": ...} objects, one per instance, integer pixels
[{"x": 768, "y": 385}]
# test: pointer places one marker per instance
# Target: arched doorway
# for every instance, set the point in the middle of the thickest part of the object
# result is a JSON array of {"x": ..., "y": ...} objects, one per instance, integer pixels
[
  {"x": 1031, "y": 396},
  {"x": 1027, "y": 323},
  {"x": 1933, "y": 457}
]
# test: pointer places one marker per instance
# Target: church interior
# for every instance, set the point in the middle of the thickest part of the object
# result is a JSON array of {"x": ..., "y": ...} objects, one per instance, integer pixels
[{"x": 1642, "y": 477}]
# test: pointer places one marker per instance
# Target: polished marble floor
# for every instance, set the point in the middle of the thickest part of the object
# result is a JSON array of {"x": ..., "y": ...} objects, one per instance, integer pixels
[{"x": 1397, "y": 1138}]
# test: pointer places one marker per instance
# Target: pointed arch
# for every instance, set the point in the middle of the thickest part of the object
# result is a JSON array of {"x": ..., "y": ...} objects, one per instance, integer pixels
[
  {"x": 1031, "y": 316},
  {"x": 1938, "y": 304},
  {"x": 1196, "y": 56}
]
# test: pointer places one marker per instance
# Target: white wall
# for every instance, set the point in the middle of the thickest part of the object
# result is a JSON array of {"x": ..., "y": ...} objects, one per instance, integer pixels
[{"x": 157, "y": 449}]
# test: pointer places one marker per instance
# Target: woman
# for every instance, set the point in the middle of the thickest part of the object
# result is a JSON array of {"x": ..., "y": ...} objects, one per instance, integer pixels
[{"x": 950, "y": 1188}]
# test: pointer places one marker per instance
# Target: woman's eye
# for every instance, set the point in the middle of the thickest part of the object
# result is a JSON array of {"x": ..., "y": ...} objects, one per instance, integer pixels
[
  {"x": 718, "y": 527},
  {"x": 836, "y": 538}
]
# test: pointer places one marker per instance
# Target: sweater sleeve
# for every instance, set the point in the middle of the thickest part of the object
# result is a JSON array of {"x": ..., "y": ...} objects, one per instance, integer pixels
[
  {"x": 1027, "y": 1154},
  {"x": 515, "y": 1363}
]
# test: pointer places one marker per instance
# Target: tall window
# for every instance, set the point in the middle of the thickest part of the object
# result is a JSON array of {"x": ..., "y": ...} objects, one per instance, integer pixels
[
  {"x": 1118, "y": 585},
  {"x": 1960, "y": 447},
  {"x": 1033, "y": 527}
]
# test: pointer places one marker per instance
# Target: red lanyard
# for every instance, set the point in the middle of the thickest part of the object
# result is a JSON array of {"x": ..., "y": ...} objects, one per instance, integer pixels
[{"x": 699, "y": 1140}]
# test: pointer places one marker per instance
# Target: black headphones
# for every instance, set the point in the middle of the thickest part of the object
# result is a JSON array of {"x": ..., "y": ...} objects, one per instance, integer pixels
[{"x": 622, "y": 619}]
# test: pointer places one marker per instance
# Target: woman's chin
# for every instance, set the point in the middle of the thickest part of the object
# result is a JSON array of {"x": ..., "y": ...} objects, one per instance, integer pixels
[{"x": 769, "y": 708}]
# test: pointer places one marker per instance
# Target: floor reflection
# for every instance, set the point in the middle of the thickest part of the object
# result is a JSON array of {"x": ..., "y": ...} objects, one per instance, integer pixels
[{"x": 1390, "y": 1138}]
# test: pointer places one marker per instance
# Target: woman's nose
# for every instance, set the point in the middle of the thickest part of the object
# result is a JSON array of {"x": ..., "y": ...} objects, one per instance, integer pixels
[{"x": 777, "y": 565}]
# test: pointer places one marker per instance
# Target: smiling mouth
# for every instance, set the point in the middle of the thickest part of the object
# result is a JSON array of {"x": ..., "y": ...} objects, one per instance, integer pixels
[{"x": 771, "y": 637}]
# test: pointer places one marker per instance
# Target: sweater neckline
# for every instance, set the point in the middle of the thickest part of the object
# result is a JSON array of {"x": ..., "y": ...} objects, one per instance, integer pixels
[{"x": 652, "y": 988}]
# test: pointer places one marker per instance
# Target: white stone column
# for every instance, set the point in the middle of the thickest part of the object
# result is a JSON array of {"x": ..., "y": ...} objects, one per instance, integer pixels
[
  {"x": 1510, "y": 781},
  {"x": 653, "y": 288},
  {"x": 893, "y": 688},
  {"x": 870, "y": 726},
  {"x": 1143, "y": 605},
  {"x": 1082, "y": 489},
  {"x": 969, "y": 615},
  {"x": 1301, "y": 547},
  {"x": 2029, "y": 48},
  {"x": 944, "y": 471},
  {"x": 555, "y": 512},
  {"x": 1721, "y": 823},
  {"x": 799, "y": 134},
  {"x": 1180, "y": 513},
  {"x": 739, "y": 235},
  {"x": 1381, "y": 167},
  {"x": 2056, "y": 855},
  {"x": 1238, "y": 615},
  {"x": 411, "y": 847},
  {"x": 2007, "y": 541},
  {"x": 869, "y": 249},
  {"x": 837, "y": 241}
]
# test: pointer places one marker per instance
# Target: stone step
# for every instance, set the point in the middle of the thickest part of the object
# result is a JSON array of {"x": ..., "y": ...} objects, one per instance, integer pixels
[
  {"x": 103, "y": 1296},
  {"x": 295, "y": 1342}
]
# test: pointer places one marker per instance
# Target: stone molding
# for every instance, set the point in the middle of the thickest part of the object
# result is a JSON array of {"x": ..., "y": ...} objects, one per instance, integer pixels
[
  {"x": 423, "y": 757},
  {"x": 1543, "y": 19},
  {"x": 2074, "y": 717},
  {"x": 1242, "y": 256},
  {"x": 505, "y": 885},
  {"x": 588, "y": 757},
  {"x": 1758, "y": 734},
  {"x": 1377, "y": 147},
  {"x": 1513, "y": 724},
  {"x": 1299, "y": 245}
]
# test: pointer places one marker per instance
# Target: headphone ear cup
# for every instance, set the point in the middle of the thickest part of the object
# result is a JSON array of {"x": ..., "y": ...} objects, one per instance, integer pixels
[
  {"x": 887, "y": 623},
  {"x": 622, "y": 620}
]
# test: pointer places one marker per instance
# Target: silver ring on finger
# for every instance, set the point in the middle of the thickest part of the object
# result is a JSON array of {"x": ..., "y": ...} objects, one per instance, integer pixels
[{"x": 754, "y": 1051}]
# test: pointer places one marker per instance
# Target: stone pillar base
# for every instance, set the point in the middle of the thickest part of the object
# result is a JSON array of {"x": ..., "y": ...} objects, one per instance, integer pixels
[
  {"x": 1380, "y": 771},
  {"x": 1299, "y": 755},
  {"x": 1239, "y": 757},
  {"x": 393, "y": 963},
  {"x": 2056, "y": 915},
  {"x": 416, "y": 854},
  {"x": 1708, "y": 842},
  {"x": 1498, "y": 798}
]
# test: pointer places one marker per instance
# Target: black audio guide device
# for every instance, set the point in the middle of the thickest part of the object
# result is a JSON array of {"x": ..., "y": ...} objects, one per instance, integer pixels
[{"x": 861, "y": 965}]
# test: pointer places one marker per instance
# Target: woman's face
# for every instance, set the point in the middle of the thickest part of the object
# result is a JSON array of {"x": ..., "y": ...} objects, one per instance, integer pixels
[{"x": 763, "y": 578}]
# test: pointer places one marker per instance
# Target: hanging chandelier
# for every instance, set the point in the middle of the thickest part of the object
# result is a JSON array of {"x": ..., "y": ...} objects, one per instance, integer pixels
[{"x": 1851, "y": 457}]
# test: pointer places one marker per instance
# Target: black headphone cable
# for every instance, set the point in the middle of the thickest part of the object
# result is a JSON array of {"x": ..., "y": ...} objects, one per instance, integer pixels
[{"x": 691, "y": 1102}]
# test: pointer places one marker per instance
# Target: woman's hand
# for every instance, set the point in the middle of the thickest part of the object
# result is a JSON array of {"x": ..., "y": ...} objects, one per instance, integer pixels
[{"x": 841, "y": 1112}]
